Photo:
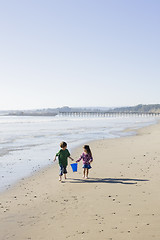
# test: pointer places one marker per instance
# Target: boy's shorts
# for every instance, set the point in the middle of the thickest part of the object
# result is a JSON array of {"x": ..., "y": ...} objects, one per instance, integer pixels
[
  {"x": 63, "y": 170},
  {"x": 87, "y": 166}
]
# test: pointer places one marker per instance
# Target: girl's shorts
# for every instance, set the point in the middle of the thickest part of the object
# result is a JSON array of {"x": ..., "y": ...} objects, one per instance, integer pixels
[
  {"x": 63, "y": 170},
  {"x": 87, "y": 166}
]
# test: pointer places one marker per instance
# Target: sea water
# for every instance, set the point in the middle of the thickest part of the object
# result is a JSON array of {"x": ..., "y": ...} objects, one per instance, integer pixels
[{"x": 30, "y": 143}]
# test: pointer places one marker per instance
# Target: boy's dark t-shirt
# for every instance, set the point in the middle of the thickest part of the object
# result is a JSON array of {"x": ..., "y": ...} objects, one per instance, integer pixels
[{"x": 62, "y": 157}]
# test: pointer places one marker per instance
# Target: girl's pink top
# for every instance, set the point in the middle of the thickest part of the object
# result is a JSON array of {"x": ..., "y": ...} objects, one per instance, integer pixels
[{"x": 86, "y": 158}]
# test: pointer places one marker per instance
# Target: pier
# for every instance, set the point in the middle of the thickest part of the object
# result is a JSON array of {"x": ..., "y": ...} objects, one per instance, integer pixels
[{"x": 109, "y": 114}]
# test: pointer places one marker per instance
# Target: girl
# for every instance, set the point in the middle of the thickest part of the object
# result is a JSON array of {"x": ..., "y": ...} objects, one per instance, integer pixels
[{"x": 87, "y": 159}]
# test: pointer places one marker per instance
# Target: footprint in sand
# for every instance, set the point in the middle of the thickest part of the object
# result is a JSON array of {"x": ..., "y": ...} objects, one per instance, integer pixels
[{"x": 115, "y": 228}]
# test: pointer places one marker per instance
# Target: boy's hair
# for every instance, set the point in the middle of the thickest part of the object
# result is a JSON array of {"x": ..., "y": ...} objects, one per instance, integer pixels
[{"x": 63, "y": 144}]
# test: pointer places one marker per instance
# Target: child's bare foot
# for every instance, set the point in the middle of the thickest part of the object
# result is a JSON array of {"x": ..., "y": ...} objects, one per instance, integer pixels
[{"x": 86, "y": 177}]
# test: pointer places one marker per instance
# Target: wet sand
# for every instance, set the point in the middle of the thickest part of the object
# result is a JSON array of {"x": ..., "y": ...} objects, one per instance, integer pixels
[{"x": 120, "y": 200}]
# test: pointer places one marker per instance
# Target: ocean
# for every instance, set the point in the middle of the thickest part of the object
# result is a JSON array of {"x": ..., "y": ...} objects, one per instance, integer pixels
[{"x": 28, "y": 144}]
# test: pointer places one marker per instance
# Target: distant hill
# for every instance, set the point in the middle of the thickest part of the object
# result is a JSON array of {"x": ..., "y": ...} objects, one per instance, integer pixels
[
  {"x": 153, "y": 108},
  {"x": 50, "y": 111}
]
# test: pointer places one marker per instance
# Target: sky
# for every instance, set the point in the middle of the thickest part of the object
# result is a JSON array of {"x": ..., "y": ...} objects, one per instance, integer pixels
[{"x": 79, "y": 53}]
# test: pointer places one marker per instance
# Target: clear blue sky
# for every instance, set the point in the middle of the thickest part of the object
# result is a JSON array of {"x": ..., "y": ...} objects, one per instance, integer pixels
[{"x": 79, "y": 53}]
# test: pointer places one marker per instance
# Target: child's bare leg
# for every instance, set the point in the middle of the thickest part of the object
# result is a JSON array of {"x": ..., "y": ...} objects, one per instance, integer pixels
[
  {"x": 60, "y": 178},
  {"x": 84, "y": 171},
  {"x": 65, "y": 176},
  {"x": 87, "y": 173}
]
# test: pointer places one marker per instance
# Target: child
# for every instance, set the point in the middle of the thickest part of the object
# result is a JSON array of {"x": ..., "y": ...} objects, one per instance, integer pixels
[
  {"x": 87, "y": 159},
  {"x": 63, "y": 155}
]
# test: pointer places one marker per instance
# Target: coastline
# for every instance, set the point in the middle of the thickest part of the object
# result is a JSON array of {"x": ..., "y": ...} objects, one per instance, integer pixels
[
  {"x": 119, "y": 201},
  {"x": 28, "y": 154},
  {"x": 131, "y": 131}
]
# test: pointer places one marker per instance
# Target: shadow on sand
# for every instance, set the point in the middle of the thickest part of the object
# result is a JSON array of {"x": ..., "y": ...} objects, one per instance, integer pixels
[{"x": 106, "y": 180}]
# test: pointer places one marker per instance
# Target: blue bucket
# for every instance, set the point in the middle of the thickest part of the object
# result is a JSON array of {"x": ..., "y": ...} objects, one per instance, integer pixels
[{"x": 74, "y": 167}]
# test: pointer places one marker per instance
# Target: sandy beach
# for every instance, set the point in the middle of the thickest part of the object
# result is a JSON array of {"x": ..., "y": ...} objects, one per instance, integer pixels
[{"x": 120, "y": 200}]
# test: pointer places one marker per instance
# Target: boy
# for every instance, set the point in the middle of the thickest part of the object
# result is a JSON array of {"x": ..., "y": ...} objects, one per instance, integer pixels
[{"x": 63, "y": 155}]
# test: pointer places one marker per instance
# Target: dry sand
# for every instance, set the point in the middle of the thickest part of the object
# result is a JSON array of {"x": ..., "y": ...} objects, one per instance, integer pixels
[{"x": 120, "y": 201}]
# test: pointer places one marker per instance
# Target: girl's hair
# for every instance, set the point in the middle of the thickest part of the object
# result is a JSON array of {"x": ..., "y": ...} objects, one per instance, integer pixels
[
  {"x": 87, "y": 148},
  {"x": 63, "y": 144}
]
